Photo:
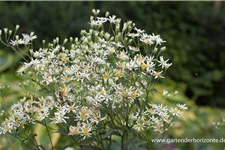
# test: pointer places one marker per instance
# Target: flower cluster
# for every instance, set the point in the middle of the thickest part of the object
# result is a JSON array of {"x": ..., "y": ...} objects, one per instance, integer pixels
[{"x": 100, "y": 77}]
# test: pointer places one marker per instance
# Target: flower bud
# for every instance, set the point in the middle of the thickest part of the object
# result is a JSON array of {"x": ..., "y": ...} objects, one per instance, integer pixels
[
  {"x": 10, "y": 32},
  {"x": 124, "y": 27},
  {"x": 0, "y": 32},
  {"x": 71, "y": 39},
  {"x": 107, "y": 36},
  {"x": 101, "y": 34},
  {"x": 163, "y": 48},
  {"x": 85, "y": 41},
  {"x": 82, "y": 32},
  {"x": 65, "y": 41},
  {"x": 155, "y": 50},
  {"x": 54, "y": 41},
  {"x": 57, "y": 39},
  {"x": 5, "y": 30},
  {"x": 32, "y": 33},
  {"x": 17, "y": 27},
  {"x": 107, "y": 14},
  {"x": 117, "y": 28},
  {"x": 95, "y": 12},
  {"x": 76, "y": 40},
  {"x": 17, "y": 37}
]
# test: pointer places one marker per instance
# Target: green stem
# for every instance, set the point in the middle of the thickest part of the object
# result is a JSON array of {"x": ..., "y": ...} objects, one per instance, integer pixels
[
  {"x": 49, "y": 135},
  {"x": 22, "y": 141},
  {"x": 123, "y": 140}
]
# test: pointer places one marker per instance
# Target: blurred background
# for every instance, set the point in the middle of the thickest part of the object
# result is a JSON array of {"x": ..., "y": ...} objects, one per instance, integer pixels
[{"x": 194, "y": 34}]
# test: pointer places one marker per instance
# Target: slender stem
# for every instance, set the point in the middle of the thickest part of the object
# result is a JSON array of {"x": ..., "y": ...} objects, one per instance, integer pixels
[
  {"x": 123, "y": 140},
  {"x": 21, "y": 141},
  {"x": 49, "y": 135}
]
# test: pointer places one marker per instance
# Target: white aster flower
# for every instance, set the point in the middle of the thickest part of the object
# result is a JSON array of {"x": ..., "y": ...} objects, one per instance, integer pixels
[{"x": 182, "y": 106}]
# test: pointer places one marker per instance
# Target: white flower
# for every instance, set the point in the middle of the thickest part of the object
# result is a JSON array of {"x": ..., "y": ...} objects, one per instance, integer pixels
[
  {"x": 135, "y": 49},
  {"x": 102, "y": 20},
  {"x": 147, "y": 40},
  {"x": 182, "y": 106},
  {"x": 74, "y": 130},
  {"x": 176, "y": 112},
  {"x": 123, "y": 55},
  {"x": 158, "y": 74},
  {"x": 16, "y": 42},
  {"x": 86, "y": 129},
  {"x": 133, "y": 35},
  {"x": 156, "y": 39},
  {"x": 27, "y": 38},
  {"x": 112, "y": 19},
  {"x": 139, "y": 30},
  {"x": 164, "y": 63}
]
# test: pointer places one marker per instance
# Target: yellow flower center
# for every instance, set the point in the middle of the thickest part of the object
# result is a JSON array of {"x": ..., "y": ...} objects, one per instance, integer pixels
[
  {"x": 67, "y": 78},
  {"x": 117, "y": 74},
  {"x": 150, "y": 110},
  {"x": 85, "y": 131},
  {"x": 86, "y": 67},
  {"x": 70, "y": 108},
  {"x": 144, "y": 66},
  {"x": 102, "y": 91},
  {"x": 140, "y": 58},
  {"x": 139, "y": 124},
  {"x": 157, "y": 74},
  {"x": 6, "y": 122},
  {"x": 167, "y": 120},
  {"x": 158, "y": 127},
  {"x": 78, "y": 76},
  {"x": 64, "y": 91},
  {"x": 62, "y": 57},
  {"x": 21, "y": 124},
  {"x": 133, "y": 48},
  {"x": 133, "y": 95},
  {"x": 106, "y": 76},
  {"x": 124, "y": 94}
]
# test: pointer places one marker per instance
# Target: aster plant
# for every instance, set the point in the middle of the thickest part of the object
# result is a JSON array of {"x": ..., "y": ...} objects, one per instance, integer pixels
[{"x": 95, "y": 89}]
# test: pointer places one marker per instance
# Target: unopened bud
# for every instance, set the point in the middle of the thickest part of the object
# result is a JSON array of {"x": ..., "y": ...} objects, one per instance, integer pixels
[
  {"x": 76, "y": 40},
  {"x": 163, "y": 48},
  {"x": 107, "y": 14},
  {"x": 65, "y": 40},
  {"x": 10, "y": 32},
  {"x": 71, "y": 39},
  {"x": 32, "y": 33},
  {"x": 83, "y": 32},
  {"x": 17, "y": 27},
  {"x": 57, "y": 39},
  {"x": 107, "y": 36},
  {"x": 117, "y": 28},
  {"x": 95, "y": 12},
  {"x": 85, "y": 41},
  {"x": 54, "y": 41},
  {"x": 17, "y": 37},
  {"x": 5, "y": 30}
]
